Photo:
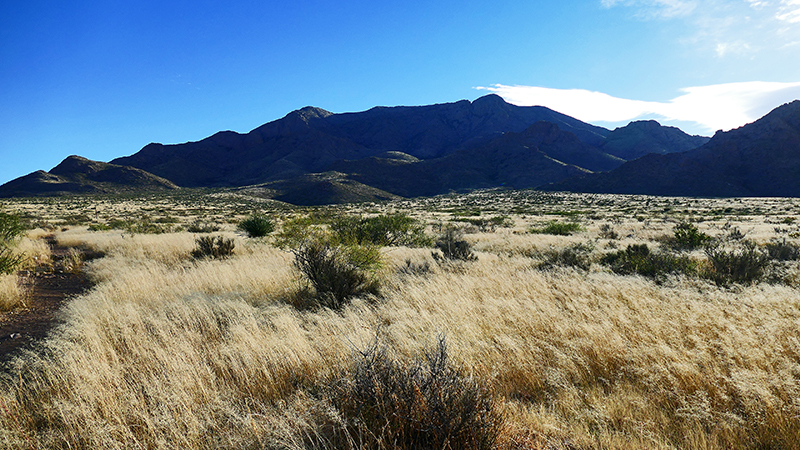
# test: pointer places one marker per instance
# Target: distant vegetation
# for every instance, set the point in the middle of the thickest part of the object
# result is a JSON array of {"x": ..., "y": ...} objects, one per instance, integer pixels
[{"x": 620, "y": 322}]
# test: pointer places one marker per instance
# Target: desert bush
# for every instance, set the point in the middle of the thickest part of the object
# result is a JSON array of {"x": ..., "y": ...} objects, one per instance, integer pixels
[
  {"x": 453, "y": 246},
  {"x": 558, "y": 228},
  {"x": 490, "y": 223},
  {"x": 577, "y": 256},
  {"x": 213, "y": 247},
  {"x": 385, "y": 230},
  {"x": 200, "y": 227},
  {"x": 735, "y": 262},
  {"x": 338, "y": 272},
  {"x": 421, "y": 404},
  {"x": 637, "y": 259},
  {"x": 687, "y": 236},
  {"x": 414, "y": 268},
  {"x": 256, "y": 225},
  {"x": 780, "y": 250},
  {"x": 10, "y": 229},
  {"x": 608, "y": 232}
]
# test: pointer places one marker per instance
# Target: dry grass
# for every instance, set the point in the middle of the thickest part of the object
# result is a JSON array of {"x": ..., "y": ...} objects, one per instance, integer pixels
[
  {"x": 167, "y": 352},
  {"x": 12, "y": 294}
]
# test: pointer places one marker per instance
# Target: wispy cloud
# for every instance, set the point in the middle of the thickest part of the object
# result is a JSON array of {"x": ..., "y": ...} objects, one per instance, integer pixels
[
  {"x": 725, "y": 27},
  {"x": 711, "y": 108}
]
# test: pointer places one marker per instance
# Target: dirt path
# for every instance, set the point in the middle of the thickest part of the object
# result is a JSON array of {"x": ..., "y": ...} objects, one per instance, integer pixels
[{"x": 50, "y": 289}]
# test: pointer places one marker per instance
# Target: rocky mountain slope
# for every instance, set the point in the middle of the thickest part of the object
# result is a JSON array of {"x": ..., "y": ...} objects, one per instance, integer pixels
[
  {"x": 313, "y": 156},
  {"x": 758, "y": 159},
  {"x": 78, "y": 175}
]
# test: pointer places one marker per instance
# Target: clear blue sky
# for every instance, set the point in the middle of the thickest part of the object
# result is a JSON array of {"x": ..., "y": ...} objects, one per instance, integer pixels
[{"x": 102, "y": 79}]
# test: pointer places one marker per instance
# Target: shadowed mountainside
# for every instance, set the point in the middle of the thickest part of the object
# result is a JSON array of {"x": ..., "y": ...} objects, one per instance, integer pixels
[
  {"x": 759, "y": 159},
  {"x": 648, "y": 136},
  {"x": 312, "y": 139},
  {"x": 78, "y": 175}
]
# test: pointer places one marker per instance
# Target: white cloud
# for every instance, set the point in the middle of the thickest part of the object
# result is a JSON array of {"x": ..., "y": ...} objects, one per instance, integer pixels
[
  {"x": 655, "y": 8},
  {"x": 789, "y": 11},
  {"x": 711, "y": 108},
  {"x": 753, "y": 25}
]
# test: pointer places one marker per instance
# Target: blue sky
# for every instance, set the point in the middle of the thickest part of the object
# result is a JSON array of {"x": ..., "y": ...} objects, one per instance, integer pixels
[{"x": 103, "y": 79}]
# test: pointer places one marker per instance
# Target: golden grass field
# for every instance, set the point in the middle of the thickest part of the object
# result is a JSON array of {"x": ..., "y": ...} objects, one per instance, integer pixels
[{"x": 169, "y": 352}]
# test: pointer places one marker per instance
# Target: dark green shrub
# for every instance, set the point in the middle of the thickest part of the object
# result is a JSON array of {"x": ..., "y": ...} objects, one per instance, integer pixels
[
  {"x": 740, "y": 262},
  {"x": 490, "y": 223},
  {"x": 10, "y": 229},
  {"x": 558, "y": 228},
  {"x": 608, "y": 232},
  {"x": 688, "y": 236},
  {"x": 782, "y": 250},
  {"x": 424, "y": 404},
  {"x": 200, "y": 227},
  {"x": 453, "y": 246},
  {"x": 256, "y": 225},
  {"x": 337, "y": 272},
  {"x": 637, "y": 259},
  {"x": 384, "y": 230},
  {"x": 213, "y": 247},
  {"x": 577, "y": 256},
  {"x": 99, "y": 227}
]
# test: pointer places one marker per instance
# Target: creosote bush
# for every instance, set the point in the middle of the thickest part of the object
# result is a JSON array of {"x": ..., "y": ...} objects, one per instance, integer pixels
[
  {"x": 577, "y": 256},
  {"x": 385, "y": 230},
  {"x": 10, "y": 229},
  {"x": 257, "y": 225},
  {"x": 558, "y": 228},
  {"x": 453, "y": 246},
  {"x": 687, "y": 236},
  {"x": 426, "y": 403},
  {"x": 213, "y": 247},
  {"x": 637, "y": 259},
  {"x": 736, "y": 262},
  {"x": 780, "y": 250},
  {"x": 337, "y": 272}
]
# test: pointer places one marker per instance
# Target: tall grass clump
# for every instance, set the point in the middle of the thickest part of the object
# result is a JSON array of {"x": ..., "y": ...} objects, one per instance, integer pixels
[
  {"x": 424, "y": 403},
  {"x": 257, "y": 225}
]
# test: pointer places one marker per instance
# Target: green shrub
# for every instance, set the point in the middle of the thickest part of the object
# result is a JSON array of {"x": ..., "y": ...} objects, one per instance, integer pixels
[
  {"x": 637, "y": 259},
  {"x": 782, "y": 250},
  {"x": 453, "y": 246},
  {"x": 11, "y": 228},
  {"x": 577, "y": 256},
  {"x": 385, "y": 230},
  {"x": 688, "y": 236},
  {"x": 489, "y": 224},
  {"x": 200, "y": 227},
  {"x": 739, "y": 262},
  {"x": 257, "y": 225},
  {"x": 608, "y": 232},
  {"x": 427, "y": 403},
  {"x": 558, "y": 228},
  {"x": 338, "y": 272},
  {"x": 213, "y": 247}
]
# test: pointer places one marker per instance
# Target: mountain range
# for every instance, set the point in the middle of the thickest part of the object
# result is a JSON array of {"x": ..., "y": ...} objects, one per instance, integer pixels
[{"x": 312, "y": 156}]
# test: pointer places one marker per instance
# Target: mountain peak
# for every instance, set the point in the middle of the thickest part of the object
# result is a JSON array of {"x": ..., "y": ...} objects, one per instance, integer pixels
[{"x": 75, "y": 164}]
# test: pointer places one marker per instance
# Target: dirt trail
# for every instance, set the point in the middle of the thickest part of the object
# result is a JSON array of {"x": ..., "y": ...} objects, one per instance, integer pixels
[{"x": 50, "y": 289}]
